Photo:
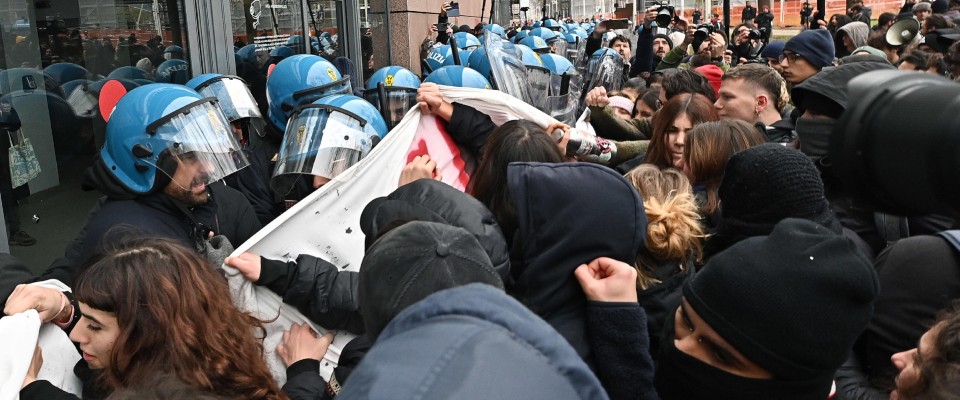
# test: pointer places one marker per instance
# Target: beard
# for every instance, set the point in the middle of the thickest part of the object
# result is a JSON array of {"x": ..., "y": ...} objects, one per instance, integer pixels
[{"x": 190, "y": 197}]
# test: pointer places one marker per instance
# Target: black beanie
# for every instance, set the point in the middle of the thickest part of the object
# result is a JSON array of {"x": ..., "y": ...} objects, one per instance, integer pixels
[
  {"x": 793, "y": 302},
  {"x": 763, "y": 185},
  {"x": 414, "y": 261},
  {"x": 664, "y": 37}
]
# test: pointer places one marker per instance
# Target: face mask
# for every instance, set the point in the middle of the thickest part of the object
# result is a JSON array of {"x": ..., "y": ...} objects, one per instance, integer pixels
[
  {"x": 814, "y": 134},
  {"x": 682, "y": 377}
]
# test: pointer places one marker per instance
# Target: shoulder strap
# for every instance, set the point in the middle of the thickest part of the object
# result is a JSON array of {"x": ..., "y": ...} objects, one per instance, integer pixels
[{"x": 953, "y": 237}]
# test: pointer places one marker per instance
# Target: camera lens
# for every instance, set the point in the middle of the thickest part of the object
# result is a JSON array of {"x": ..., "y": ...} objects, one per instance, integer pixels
[{"x": 896, "y": 147}]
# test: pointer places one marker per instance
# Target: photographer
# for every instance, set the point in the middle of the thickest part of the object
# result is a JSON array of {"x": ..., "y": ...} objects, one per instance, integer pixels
[
  {"x": 744, "y": 43},
  {"x": 764, "y": 22},
  {"x": 710, "y": 45},
  {"x": 651, "y": 47},
  {"x": 443, "y": 34}
]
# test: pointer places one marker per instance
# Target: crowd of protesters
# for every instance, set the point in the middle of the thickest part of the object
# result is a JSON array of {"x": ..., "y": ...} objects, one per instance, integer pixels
[{"x": 679, "y": 232}]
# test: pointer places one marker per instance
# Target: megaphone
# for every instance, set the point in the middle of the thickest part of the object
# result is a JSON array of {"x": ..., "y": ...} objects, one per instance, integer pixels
[{"x": 903, "y": 32}]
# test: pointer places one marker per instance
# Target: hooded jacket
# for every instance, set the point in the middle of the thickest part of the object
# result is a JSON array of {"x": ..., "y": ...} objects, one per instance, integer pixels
[
  {"x": 857, "y": 32},
  {"x": 328, "y": 295},
  {"x": 569, "y": 214},
  {"x": 471, "y": 342}
]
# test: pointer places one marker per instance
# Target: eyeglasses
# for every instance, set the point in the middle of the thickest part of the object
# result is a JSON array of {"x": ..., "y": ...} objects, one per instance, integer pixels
[{"x": 792, "y": 57}]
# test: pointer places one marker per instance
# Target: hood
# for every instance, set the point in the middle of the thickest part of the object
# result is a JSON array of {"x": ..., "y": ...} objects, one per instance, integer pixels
[
  {"x": 832, "y": 82},
  {"x": 858, "y": 32},
  {"x": 432, "y": 201},
  {"x": 569, "y": 214},
  {"x": 471, "y": 342}
]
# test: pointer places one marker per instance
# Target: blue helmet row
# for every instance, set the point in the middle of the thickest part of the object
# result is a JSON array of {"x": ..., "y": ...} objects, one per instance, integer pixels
[
  {"x": 301, "y": 79},
  {"x": 455, "y": 75}
]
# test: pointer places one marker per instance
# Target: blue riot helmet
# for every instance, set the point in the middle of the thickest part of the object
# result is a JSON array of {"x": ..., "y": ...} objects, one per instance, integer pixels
[
  {"x": 466, "y": 41},
  {"x": 520, "y": 36},
  {"x": 536, "y": 44},
  {"x": 458, "y": 76},
  {"x": 173, "y": 71},
  {"x": 436, "y": 58},
  {"x": 325, "y": 138},
  {"x": 315, "y": 44},
  {"x": 552, "y": 24},
  {"x": 279, "y": 53},
  {"x": 393, "y": 90},
  {"x": 479, "y": 62},
  {"x": 235, "y": 100},
  {"x": 546, "y": 34},
  {"x": 537, "y": 24},
  {"x": 295, "y": 42},
  {"x": 129, "y": 72},
  {"x": 462, "y": 55},
  {"x": 169, "y": 129},
  {"x": 558, "y": 65},
  {"x": 173, "y": 53},
  {"x": 251, "y": 54},
  {"x": 495, "y": 29},
  {"x": 301, "y": 79},
  {"x": 65, "y": 72},
  {"x": 582, "y": 33}
]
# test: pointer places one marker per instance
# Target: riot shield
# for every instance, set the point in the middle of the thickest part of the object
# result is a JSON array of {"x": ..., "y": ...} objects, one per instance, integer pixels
[
  {"x": 538, "y": 87},
  {"x": 606, "y": 69},
  {"x": 508, "y": 73},
  {"x": 563, "y": 103}
]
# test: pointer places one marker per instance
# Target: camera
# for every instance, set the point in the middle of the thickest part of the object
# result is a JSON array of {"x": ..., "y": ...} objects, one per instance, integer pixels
[
  {"x": 896, "y": 147},
  {"x": 665, "y": 13},
  {"x": 441, "y": 27},
  {"x": 703, "y": 32},
  {"x": 757, "y": 34},
  {"x": 454, "y": 10}
]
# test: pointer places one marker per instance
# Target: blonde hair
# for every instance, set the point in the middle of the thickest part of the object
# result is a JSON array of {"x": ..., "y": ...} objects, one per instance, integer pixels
[{"x": 673, "y": 229}]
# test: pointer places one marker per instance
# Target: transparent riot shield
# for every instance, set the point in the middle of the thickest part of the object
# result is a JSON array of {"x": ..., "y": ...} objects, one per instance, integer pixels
[
  {"x": 538, "y": 87},
  {"x": 564, "y": 95},
  {"x": 507, "y": 71}
]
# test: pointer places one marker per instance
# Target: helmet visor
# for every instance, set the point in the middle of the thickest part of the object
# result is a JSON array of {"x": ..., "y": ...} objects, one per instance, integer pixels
[
  {"x": 393, "y": 102},
  {"x": 321, "y": 141},
  {"x": 201, "y": 138},
  {"x": 234, "y": 97},
  {"x": 607, "y": 72},
  {"x": 559, "y": 47}
]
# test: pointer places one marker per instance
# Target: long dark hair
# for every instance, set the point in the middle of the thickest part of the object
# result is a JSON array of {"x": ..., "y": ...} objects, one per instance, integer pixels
[
  {"x": 696, "y": 107},
  {"x": 513, "y": 141},
  {"x": 175, "y": 317}
]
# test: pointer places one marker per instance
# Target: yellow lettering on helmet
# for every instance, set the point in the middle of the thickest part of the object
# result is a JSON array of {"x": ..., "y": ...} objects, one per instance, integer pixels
[
  {"x": 332, "y": 74},
  {"x": 388, "y": 80}
]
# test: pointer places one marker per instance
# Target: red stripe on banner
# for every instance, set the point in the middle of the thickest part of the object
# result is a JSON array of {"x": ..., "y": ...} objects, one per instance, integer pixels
[{"x": 432, "y": 139}]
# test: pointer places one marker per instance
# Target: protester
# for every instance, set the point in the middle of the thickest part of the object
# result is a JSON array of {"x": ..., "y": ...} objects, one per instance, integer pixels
[
  {"x": 706, "y": 149},
  {"x": 739, "y": 331},
  {"x": 673, "y": 244},
  {"x": 670, "y": 126},
  {"x": 756, "y": 94},
  {"x": 931, "y": 369},
  {"x": 806, "y": 54},
  {"x": 151, "y": 306}
]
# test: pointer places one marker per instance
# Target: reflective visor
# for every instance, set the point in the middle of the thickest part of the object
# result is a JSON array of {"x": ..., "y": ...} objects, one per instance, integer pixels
[
  {"x": 321, "y": 141},
  {"x": 200, "y": 134},
  {"x": 396, "y": 101},
  {"x": 235, "y": 98}
]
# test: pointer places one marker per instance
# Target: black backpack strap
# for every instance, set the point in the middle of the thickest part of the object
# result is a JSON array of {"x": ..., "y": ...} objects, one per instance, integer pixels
[
  {"x": 953, "y": 237},
  {"x": 891, "y": 227}
]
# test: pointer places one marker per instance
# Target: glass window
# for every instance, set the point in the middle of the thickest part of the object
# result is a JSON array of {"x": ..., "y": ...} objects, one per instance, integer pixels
[{"x": 55, "y": 56}]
